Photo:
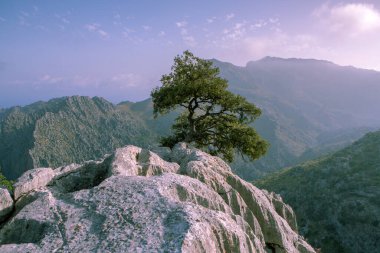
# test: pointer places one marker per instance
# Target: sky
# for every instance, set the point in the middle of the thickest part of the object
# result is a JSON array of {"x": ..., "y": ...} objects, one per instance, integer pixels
[{"x": 120, "y": 49}]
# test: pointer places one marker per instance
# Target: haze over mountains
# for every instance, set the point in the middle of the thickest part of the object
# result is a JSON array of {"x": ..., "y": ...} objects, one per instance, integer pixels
[
  {"x": 309, "y": 108},
  {"x": 304, "y": 103}
]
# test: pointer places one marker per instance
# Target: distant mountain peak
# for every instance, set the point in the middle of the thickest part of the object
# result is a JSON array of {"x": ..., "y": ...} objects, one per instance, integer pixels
[{"x": 295, "y": 60}]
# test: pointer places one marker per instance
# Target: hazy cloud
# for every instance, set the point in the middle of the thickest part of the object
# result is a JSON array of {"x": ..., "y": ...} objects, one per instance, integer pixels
[
  {"x": 352, "y": 19},
  {"x": 66, "y": 21},
  {"x": 181, "y": 24},
  {"x": 230, "y": 16},
  {"x": 211, "y": 20},
  {"x": 103, "y": 33},
  {"x": 258, "y": 24},
  {"x": 186, "y": 37},
  {"x": 126, "y": 80},
  {"x": 94, "y": 27},
  {"x": 23, "y": 18},
  {"x": 146, "y": 27},
  {"x": 50, "y": 79},
  {"x": 237, "y": 32},
  {"x": 2, "y": 19}
]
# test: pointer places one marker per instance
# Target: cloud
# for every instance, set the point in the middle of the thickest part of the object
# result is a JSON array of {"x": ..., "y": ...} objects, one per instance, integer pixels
[
  {"x": 351, "y": 19},
  {"x": 230, "y": 16},
  {"x": 63, "y": 19},
  {"x": 211, "y": 20},
  {"x": 147, "y": 27},
  {"x": 50, "y": 79},
  {"x": 190, "y": 41},
  {"x": 25, "y": 14},
  {"x": 94, "y": 27},
  {"x": 66, "y": 21},
  {"x": 126, "y": 80},
  {"x": 237, "y": 32},
  {"x": 103, "y": 33},
  {"x": 186, "y": 37},
  {"x": 2, "y": 19},
  {"x": 258, "y": 24},
  {"x": 23, "y": 18},
  {"x": 181, "y": 24}
]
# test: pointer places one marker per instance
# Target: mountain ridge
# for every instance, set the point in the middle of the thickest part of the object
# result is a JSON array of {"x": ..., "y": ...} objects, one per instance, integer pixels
[{"x": 64, "y": 130}]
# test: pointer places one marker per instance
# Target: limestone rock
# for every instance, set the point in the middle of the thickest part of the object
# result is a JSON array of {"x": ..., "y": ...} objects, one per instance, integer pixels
[
  {"x": 134, "y": 201},
  {"x": 284, "y": 210},
  {"x": 32, "y": 180},
  {"x": 125, "y": 161},
  {"x": 6, "y": 203}
]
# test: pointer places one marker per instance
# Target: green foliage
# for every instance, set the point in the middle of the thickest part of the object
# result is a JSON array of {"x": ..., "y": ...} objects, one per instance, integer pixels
[
  {"x": 213, "y": 117},
  {"x": 63, "y": 131},
  {"x": 335, "y": 197},
  {"x": 5, "y": 182}
]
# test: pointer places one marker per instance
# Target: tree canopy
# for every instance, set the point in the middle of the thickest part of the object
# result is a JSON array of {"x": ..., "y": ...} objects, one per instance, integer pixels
[{"x": 213, "y": 118}]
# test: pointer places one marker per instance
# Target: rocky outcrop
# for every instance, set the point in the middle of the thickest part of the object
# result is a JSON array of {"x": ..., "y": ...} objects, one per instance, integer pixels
[
  {"x": 134, "y": 201},
  {"x": 32, "y": 179},
  {"x": 6, "y": 203}
]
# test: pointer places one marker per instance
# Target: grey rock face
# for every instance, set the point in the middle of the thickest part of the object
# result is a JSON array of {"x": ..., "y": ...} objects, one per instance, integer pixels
[
  {"x": 133, "y": 201},
  {"x": 6, "y": 203},
  {"x": 32, "y": 179}
]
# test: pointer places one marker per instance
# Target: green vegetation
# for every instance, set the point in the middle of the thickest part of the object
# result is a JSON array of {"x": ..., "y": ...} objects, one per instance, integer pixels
[
  {"x": 65, "y": 130},
  {"x": 4, "y": 182},
  {"x": 336, "y": 197},
  {"x": 213, "y": 117},
  {"x": 297, "y": 127}
]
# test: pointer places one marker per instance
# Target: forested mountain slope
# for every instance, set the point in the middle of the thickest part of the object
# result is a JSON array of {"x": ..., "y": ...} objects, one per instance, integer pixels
[
  {"x": 65, "y": 130},
  {"x": 336, "y": 198},
  {"x": 310, "y": 107}
]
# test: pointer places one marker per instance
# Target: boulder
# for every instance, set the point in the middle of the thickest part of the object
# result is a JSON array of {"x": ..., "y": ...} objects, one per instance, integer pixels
[
  {"x": 6, "y": 203},
  {"x": 32, "y": 180},
  {"x": 134, "y": 201}
]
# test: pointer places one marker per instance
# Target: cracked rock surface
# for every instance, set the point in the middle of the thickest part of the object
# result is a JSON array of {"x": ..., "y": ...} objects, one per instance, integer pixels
[{"x": 134, "y": 201}]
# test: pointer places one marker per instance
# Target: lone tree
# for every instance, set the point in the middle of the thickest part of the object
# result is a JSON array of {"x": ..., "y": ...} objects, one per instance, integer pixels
[{"x": 213, "y": 118}]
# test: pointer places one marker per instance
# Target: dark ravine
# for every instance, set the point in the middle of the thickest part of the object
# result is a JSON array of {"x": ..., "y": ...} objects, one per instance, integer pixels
[{"x": 336, "y": 198}]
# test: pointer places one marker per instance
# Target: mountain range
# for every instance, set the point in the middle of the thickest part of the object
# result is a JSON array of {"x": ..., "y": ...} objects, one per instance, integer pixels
[
  {"x": 310, "y": 107},
  {"x": 65, "y": 130},
  {"x": 305, "y": 113}
]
